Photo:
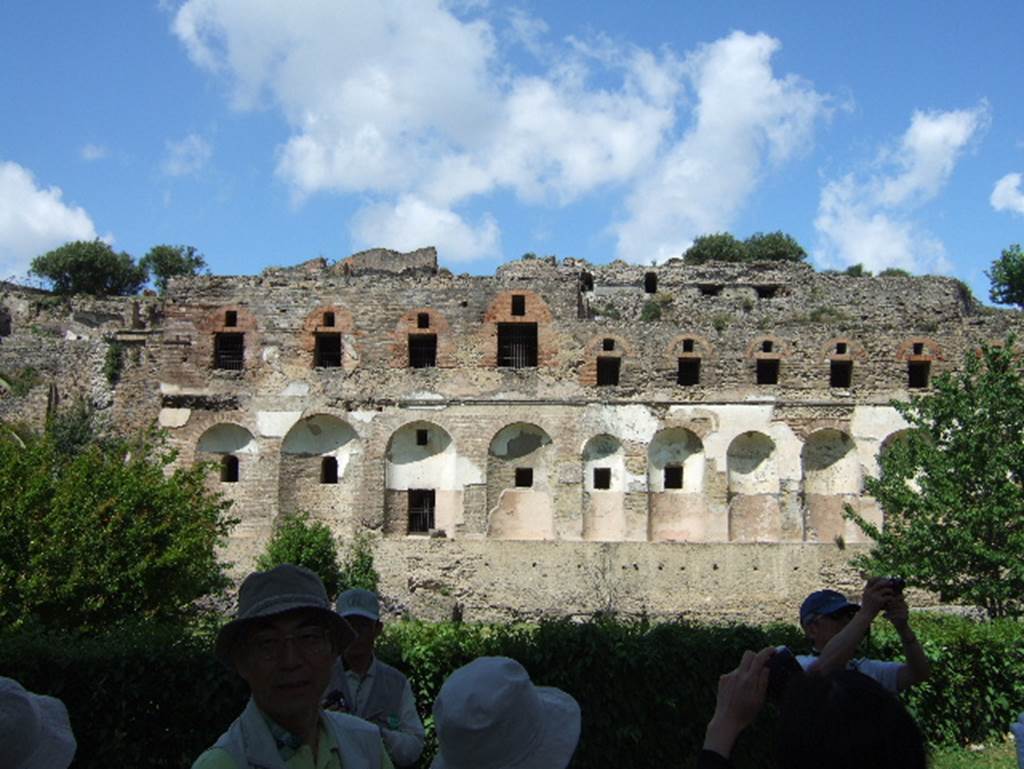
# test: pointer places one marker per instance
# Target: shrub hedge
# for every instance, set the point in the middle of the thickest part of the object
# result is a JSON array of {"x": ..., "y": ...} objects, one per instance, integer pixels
[{"x": 156, "y": 697}]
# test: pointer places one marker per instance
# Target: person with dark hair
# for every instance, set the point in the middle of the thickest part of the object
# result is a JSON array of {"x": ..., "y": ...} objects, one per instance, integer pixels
[
  {"x": 283, "y": 643},
  {"x": 838, "y": 720}
]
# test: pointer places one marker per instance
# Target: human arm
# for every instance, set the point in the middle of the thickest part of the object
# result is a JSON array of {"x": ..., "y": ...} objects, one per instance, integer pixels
[
  {"x": 405, "y": 742},
  {"x": 214, "y": 758},
  {"x": 843, "y": 645},
  {"x": 918, "y": 667},
  {"x": 741, "y": 695}
]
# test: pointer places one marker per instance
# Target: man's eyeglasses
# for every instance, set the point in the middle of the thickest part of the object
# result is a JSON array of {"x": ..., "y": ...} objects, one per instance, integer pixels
[{"x": 308, "y": 642}]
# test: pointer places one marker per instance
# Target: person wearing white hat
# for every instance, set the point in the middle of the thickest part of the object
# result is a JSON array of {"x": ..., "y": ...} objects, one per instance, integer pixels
[
  {"x": 373, "y": 690},
  {"x": 489, "y": 715},
  {"x": 35, "y": 732},
  {"x": 283, "y": 642}
]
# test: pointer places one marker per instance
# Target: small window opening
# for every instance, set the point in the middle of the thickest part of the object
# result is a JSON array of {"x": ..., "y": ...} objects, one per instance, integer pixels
[
  {"x": 840, "y": 348},
  {"x": 230, "y": 319},
  {"x": 422, "y": 436},
  {"x": 518, "y": 304},
  {"x": 689, "y": 372},
  {"x": 918, "y": 348},
  {"x": 687, "y": 345},
  {"x": 586, "y": 281},
  {"x": 767, "y": 372},
  {"x": 229, "y": 469},
  {"x": 422, "y": 350},
  {"x": 650, "y": 282},
  {"x": 517, "y": 345},
  {"x": 766, "y": 292},
  {"x": 229, "y": 351},
  {"x": 710, "y": 290},
  {"x": 917, "y": 374},
  {"x": 602, "y": 477},
  {"x": 608, "y": 371},
  {"x": 329, "y": 470},
  {"x": 327, "y": 351},
  {"x": 421, "y": 511},
  {"x": 840, "y": 373},
  {"x": 673, "y": 476},
  {"x": 423, "y": 320},
  {"x": 524, "y": 477},
  {"x": 329, "y": 319},
  {"x": 608, "y": 345},
  {"x": 766, "y": 345}
]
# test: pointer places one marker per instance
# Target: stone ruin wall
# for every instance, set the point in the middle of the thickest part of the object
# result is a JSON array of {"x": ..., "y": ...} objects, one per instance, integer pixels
[{"x": 765, "y": 468}]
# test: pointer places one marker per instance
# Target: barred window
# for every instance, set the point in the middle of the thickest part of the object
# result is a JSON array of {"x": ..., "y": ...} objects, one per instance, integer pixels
[
  {"x": 229, "y": 351},
  {"x": 421, "y": 511},
  {"x": 517, "y": 345},
  {"x": 327, "y": 352}
]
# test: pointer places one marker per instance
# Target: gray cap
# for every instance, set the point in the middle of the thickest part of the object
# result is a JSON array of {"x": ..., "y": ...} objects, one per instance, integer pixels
[
  {"x": 359, "y": 603},
  {"x": 268, "y": 593}
]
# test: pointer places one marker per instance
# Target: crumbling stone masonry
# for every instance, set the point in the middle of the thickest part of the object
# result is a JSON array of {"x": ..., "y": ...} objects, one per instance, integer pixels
[{"x": 556, "y": 438}]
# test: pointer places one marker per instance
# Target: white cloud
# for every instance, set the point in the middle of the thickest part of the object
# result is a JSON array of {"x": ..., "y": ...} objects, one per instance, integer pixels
[
  {"x": 186, "y": 156},
  {"x": 412, "y": 223},
  {"x": 1007, "y": 194},
  {"x": 34, "y": 220},
  {"x": 91, "y": 152},
  {"x": 869, "y": 218},
  {"x": 746, "y": 120}
]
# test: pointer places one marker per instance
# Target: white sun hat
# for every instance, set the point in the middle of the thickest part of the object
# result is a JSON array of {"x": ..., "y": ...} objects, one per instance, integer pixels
[
  {"x": 35, "y": 732},
  {"x": 489, "y": 715}
]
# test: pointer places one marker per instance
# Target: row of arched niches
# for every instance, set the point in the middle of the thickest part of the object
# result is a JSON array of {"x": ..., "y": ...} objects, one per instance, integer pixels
[{"x": 526, "y": 487}]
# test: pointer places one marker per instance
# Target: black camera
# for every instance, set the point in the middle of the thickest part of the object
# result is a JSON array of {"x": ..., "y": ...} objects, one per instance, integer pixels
[
  {"x": 782, "y": 666},
  {"x": 897, "y": 584}
]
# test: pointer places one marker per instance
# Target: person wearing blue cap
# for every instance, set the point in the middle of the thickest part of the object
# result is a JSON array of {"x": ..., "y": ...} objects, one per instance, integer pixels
[
  {"x": 365, "y": 687},
  {"x": 836, "y": 627}
]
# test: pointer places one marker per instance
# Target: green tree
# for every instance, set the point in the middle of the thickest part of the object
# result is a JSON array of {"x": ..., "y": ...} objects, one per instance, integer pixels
[
  {"x": 166, "y": 262},
  {"x": 952, "y": 488},
  {"x": 774, "y": 246},
  {"x": 97, "y": 534},
  {"x": 893, "y": 272},
  {"x": 304, "y": 542},
  {"x": 358, "y": 569},
  {"x": 89, "y": 267},
  {"x": 857, "y": 271},
  {"x": 719, "y": 247},
  {"x": 1007, "y": 277}
]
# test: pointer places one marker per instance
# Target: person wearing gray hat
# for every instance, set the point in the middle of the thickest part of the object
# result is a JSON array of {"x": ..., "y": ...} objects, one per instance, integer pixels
[
  {"x": 283, "y": 642},
  {"x": 35, "y": 732},
  {"x": 366, "y": 687}
]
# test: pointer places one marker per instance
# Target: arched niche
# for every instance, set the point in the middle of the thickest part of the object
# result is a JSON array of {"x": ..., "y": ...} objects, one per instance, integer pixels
[
  {"x": 519, "y": 497},
  {"x": 604, "y": 485},
  {"x": 423, "y": 487},
  {"x": 307, "y": 483},
  {"x": 831, "y": 479},
  {"x": 675, "y": 480},
  {"x": 226, "y": 438},
  {"x": 753, "y": 478}
]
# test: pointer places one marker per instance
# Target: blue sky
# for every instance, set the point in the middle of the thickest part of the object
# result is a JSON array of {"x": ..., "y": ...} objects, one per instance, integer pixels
[{"x": 268, "y": 133}]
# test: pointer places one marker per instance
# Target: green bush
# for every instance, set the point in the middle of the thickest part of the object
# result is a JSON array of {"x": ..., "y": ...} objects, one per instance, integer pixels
[
  {"x": 357, "y": 569},
  {"x": 650, "y": 311},
  {"x": 113, "y": 362},
  {"x": 304, "y": 542}
]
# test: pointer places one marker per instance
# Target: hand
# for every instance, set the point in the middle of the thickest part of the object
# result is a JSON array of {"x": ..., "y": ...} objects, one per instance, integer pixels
[
  {"x": 898, "y": 613},
  {"x": 741, "y": 695},
  {"x": 877, "y": 595}
]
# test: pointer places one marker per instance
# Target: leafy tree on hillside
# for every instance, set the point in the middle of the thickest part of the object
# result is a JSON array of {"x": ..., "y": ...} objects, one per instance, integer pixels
[
  {"x": 952, "y": 488},
  {"x": 719, "y": 247},
  {"x": 89, "y": 267},
  {"x": 1007, "y": 277},
  {"x": 97, "y": 533},
  {"x": 166, "y": 262},
  {"x": 300, "y": 540},
  {"x": 774, "y": 246}
]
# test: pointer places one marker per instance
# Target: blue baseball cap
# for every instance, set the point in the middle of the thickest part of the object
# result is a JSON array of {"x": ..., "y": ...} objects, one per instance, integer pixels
[{"x": 824, "y": 603}]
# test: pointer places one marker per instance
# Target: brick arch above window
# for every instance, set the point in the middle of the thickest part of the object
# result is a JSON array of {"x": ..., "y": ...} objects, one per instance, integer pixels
[
  {"x": 929, "y": 349},
  {"x": 779, "y": 348},
  {"x": 318, "y": 322},
  {"x": 506, "y": 310},
  {"x": 595, "y": 349},
  {"x": 227, "y": 319},
  {"x": 621, "y": 349},
  {"x": 409, "y": 324},
  {"x": 702, "y": 348},
  {"x": 854, "y": 350}
]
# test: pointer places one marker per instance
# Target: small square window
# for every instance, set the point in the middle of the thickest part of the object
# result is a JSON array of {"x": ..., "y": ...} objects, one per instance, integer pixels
[
  {"x": 767, "y": 372},
  {"x": 840, "y": 373},
  {"x": 766, "y": 345},
  {"x": 608, "y": 371},
  {"x": 608, "y": 345},
  {"x": 422, "y": 436},
  {"x": 766, "y": 292},
  {"x": 918, "y": 348},
  {"x": 524, "y": 477},
  {"x": 422, "y": 320},
  {"x": 673, "y": 476},
  {"x": 689, "y": 372},
  {"x": 710, "y": 290},
  {"x": 840, "y": 348},
  {"x": 230, "y": 319},
  {"x": 602, "y": 477},
  {"x": 917, "y": 374},
  {"x": 329, "y": 470},
  {"x": 329, "y": 319},
  {"x": 687, "y": 345},
  {"x": 518, "y": 304},
  {"x": 650, "y": 282}
]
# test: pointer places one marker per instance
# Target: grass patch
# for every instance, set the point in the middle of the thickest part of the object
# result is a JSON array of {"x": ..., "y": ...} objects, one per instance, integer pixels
[{"x": 990, "y": 755}]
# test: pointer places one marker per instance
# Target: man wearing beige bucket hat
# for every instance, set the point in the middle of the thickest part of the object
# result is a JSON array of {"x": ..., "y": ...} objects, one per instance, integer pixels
[
  {"x": 283, "y": 642},
  {"x": 489, "y": 715}
]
